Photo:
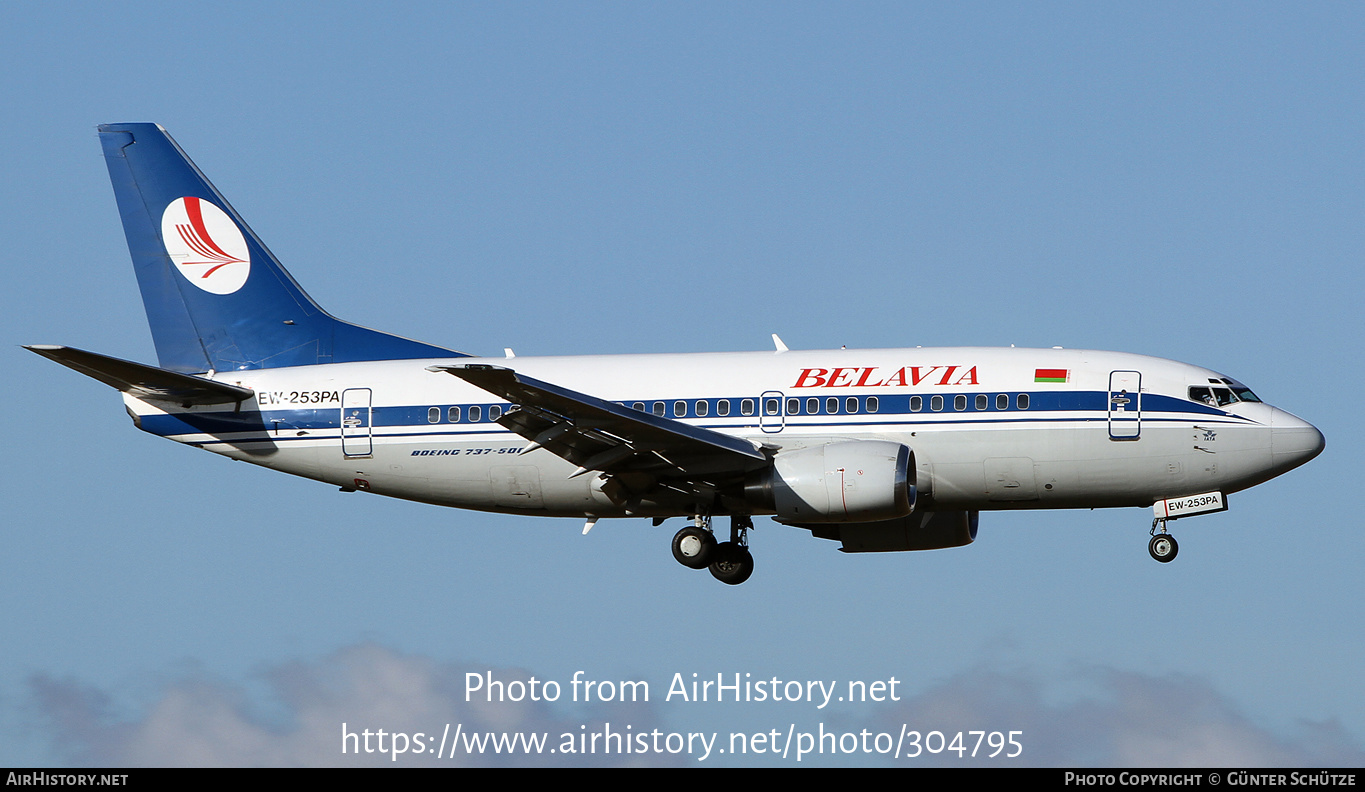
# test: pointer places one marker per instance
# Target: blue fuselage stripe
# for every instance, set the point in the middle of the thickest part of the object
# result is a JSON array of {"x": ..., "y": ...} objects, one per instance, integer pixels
[{"x": 892, "y": 410}]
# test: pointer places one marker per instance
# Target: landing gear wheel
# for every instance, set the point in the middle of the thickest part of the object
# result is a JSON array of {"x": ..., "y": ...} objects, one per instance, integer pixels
[
  {"x": 1163, "y": 547},
  {"x": 733, "y": 564},
  {"x": 694, "y": 548}
]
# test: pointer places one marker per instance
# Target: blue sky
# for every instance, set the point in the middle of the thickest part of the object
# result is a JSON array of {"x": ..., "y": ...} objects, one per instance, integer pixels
[{"x": 1181, "y": 181}]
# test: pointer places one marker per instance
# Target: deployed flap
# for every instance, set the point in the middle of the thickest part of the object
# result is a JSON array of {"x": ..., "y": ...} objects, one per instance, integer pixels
[
  {"x": 596, "y": 434},
  {"x": 142, "y": 381}
]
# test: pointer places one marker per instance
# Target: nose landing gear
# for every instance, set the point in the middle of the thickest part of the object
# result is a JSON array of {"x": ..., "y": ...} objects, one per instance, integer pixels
[{"x": 1163, "y": 546}]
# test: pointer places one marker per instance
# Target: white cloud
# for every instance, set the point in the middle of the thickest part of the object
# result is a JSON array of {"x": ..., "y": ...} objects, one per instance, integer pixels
[
  {"x": 1119, "y": 718},
  {"x": 205, "y": 723},
  {"x": 1125, "y": 719}
]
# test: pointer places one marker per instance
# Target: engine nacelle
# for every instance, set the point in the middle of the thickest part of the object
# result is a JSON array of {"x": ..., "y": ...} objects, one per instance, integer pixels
[{"x": 853, "y": 481}]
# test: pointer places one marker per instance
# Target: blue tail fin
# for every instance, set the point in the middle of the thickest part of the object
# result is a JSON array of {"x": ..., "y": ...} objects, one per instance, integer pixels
[{"x": 216, "y": 297}]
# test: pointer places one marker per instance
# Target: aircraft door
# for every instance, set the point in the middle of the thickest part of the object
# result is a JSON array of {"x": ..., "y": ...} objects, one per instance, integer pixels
[
  {"x": 355, "y": 422},
  {"x": 771, "y": 416},
  {"x": 1125, "y": 405}
]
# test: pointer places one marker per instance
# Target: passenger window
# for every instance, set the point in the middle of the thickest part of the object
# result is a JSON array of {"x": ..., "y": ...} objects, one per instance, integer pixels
[
  {"x": 434, "y": 415},
  {"x": 679, "y": 409},
  {"x": 916, "y": 403},
  {"x": 1002, "y": 402},
  {"x": 475, "y": 413},
  {"x": 723, "y": 407},
  {"x": 658, "y": 409},
  {"x": 960, "y": 402},
  {"x": 851, "y": 405},
  {"x": 453, "y": 415},
  {"x": 832, "y": 406},
  {"x": 771, "y": 407},
  {"x": 639, "y": 406},
  {"x": 494, "y": 412},
  {"x": 812, "y": 406},
  {"x": 982, "y": 401},
  {"x": 746, "y": 406},
  {"x": 703, "y": 407},
  {"x": 872, "y": 404},
  {"x": 793, "y": 406},
  {"x": 936, "y": 403},
  {"x": 1021, "y": 401}
]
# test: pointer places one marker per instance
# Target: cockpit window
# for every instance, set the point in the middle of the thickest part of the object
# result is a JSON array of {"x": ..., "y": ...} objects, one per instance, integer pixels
[
  {"x": 1243, "y": 392},
  {"x": 1213, "y": 396}
]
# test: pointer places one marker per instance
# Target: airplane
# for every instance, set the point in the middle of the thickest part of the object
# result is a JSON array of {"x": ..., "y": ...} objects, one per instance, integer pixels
[{"x": 878, "y": 449}]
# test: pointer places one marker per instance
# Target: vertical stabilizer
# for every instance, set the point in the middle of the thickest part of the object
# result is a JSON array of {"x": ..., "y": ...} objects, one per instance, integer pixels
[{"x": 216, "y": 297}]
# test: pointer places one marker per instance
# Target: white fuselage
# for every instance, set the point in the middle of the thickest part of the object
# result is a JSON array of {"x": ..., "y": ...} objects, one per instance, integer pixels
[{"x": 990, "y": 428}]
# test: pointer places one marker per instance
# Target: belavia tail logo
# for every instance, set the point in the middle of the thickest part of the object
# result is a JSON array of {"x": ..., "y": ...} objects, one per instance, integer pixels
[{"x": 205, "y": 245}]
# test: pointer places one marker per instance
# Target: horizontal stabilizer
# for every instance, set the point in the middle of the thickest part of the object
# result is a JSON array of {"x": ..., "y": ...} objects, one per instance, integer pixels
[{"x": 143, "y": 381}]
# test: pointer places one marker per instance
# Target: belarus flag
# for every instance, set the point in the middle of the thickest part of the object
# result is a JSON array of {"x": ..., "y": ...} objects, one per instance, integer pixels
[{"x": 1051, "y": 375}]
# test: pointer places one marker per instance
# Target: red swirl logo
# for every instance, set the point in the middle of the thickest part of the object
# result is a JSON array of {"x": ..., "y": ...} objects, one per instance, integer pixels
[{"x": 207, "y": 248}]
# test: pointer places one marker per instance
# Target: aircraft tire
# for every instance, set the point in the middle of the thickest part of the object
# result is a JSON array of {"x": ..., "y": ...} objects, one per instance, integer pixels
[
  {"x": 1163, "y": 548},
  {"x": 694, "y": 548},
  {"x": 733, "y": 563}
]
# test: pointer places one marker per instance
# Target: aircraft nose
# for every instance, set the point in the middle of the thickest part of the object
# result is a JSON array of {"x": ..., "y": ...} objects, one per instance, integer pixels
[{"x": 1293, "y": 441}]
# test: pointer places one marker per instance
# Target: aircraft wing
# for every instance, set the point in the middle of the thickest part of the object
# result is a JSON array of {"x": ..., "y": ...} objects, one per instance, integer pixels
[
  {"x": 143, "y": 381},
  {"x": 596, "y": 434}
]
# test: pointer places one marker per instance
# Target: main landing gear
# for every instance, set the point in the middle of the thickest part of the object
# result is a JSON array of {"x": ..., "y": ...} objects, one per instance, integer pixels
[
  {"x": 730, "y": 562},
  {"x": 1163, "y": 546},
  {"x": 695, "y": 546}
]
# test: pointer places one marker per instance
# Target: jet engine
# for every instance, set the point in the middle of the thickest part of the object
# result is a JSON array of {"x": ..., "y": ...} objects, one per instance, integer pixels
[{"x": 852, "y": 481}]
